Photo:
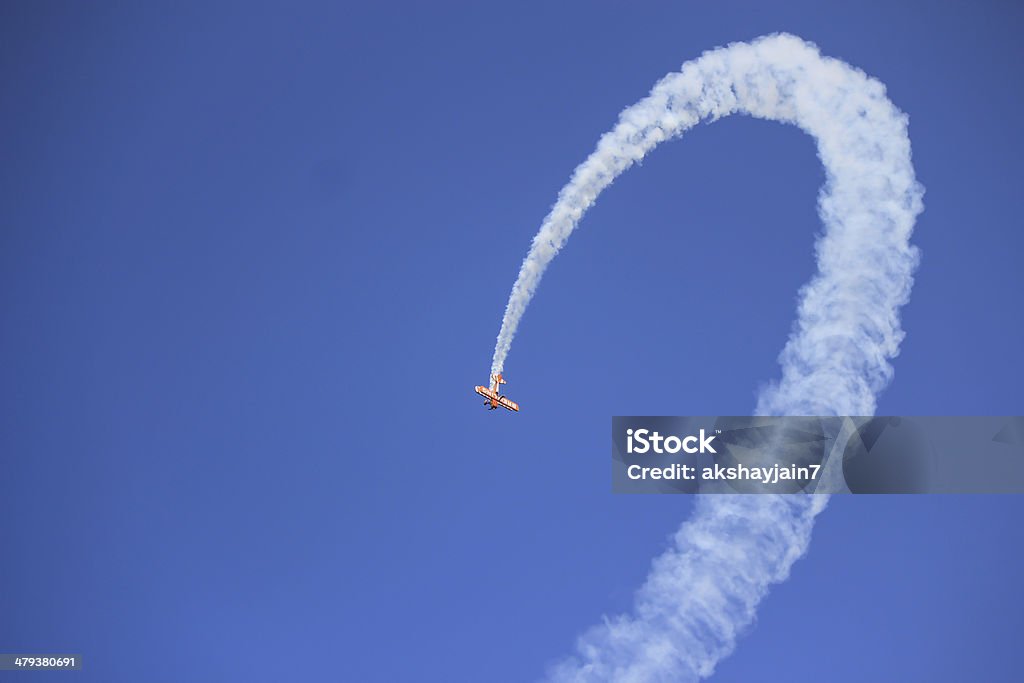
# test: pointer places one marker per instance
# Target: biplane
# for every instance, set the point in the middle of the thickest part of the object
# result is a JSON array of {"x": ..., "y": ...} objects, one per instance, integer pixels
[{"x": 494, "y": 396}]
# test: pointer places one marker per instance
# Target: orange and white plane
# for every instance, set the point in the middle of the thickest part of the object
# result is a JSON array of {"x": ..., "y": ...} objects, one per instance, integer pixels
[{"x": 494, "y": 398}]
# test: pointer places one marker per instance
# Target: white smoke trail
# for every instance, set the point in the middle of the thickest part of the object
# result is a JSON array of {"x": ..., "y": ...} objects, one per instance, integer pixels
[{"x": 703, "y": 592}]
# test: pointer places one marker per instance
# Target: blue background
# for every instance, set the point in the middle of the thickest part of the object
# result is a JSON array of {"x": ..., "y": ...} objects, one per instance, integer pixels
[{"x": 254, "y": 258}]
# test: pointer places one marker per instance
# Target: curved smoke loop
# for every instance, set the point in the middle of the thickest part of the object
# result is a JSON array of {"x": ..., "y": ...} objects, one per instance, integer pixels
[{"x": 702, "y": 592}]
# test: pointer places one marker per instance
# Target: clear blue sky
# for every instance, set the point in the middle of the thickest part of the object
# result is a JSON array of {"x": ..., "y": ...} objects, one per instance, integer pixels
[{"x": 253, "y": 260}]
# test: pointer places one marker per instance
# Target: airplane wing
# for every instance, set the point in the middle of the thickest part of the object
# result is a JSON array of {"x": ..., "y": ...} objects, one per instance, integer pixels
[
  {"x": 500, "y": 400},
  {"x": 487, "y": 393},
  {"x": 507, "y": 403}
]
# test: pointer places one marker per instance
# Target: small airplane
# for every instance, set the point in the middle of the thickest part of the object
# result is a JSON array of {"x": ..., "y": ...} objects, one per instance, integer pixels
[{"x": 495, "y": 399}]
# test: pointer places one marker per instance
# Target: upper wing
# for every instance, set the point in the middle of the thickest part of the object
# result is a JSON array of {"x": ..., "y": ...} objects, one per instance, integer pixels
[
  {"x": 507, "y": 403},
  {"x": 497, "y": 398},
  {"x": 484, "y": 391}
]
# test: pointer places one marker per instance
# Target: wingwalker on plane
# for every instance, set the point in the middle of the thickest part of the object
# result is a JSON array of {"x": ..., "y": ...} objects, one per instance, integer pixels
[{"x": 494, "y": 398}]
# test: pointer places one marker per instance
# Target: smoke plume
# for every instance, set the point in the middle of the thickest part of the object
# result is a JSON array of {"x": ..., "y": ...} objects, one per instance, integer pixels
[{"x": 703, "y": 591}]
